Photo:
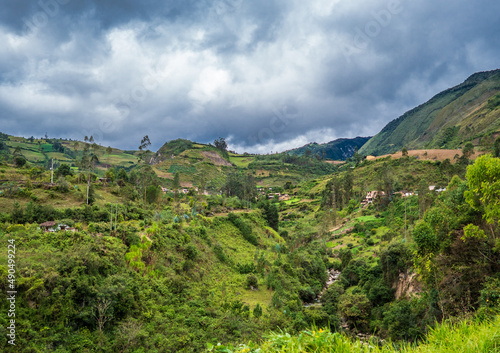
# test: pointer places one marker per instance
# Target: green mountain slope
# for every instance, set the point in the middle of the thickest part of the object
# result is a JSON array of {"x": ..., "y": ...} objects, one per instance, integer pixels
[
  {"x": 467, "y": 112},
  {"x": 340, "y": 149}
]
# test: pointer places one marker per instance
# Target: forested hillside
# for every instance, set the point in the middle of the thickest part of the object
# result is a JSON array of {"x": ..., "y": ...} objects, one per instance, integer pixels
[
  {"x": 338, "y": 150},
  {"x": 469, "y": 112},
  {"x": 321, "y": 255}
]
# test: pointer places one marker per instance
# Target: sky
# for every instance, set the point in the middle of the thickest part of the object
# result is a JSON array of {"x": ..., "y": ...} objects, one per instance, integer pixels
[{"x": 267, "y": 75}]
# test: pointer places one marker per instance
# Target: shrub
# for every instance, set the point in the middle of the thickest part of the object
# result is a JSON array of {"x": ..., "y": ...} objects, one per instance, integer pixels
[
  {"x": 307, "y": 295},
  {"x": 252, "y": 281},
  {"x": 244, "y": 228},
  {"x": 190, "y": 252},
  {"x": 246, "y": 268},
  {"x": 219, "y": 252}
]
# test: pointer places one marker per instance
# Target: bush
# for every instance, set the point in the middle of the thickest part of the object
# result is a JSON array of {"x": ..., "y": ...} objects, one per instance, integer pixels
[
  {"x": 252, "y": 281},
  {"x": 307, "y": 295},
  {"x": 190, "y": 252},
  {"x": 244, "y": 228},
  {"x": 246, "y": 268},
  {"x": 219, "y": 252}
]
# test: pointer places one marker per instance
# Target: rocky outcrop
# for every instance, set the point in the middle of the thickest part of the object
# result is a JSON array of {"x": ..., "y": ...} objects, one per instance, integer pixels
[
  {"x": 215, "y": 158},
  {"x": 407, "y": 285}
]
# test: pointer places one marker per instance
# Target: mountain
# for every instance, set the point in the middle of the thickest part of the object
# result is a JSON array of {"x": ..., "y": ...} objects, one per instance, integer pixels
[
  {"x": 467, "y": 112},
  {"x": 340, "y": 149}
]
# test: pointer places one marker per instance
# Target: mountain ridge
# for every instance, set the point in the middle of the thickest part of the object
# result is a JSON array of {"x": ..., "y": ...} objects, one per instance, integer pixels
[
  {"x": 339, "y": 149},
  {"x": 452, "y": 117}
]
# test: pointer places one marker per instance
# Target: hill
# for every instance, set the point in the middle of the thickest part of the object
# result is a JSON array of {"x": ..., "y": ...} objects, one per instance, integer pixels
[
  {"x": 142, "y": 268},
  {"x": 339, "y": 150},
  {"x": 467, "y": 112}
]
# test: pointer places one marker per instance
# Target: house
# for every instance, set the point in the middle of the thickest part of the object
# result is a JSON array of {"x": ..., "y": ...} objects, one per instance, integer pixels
[
  {"x": 164, "y": 189},
  {"x": 371, "y": 196},
  {"x": 48, "y": 226},
  {"x": 51, "y": 226},
  {"x": 433, "y": 188},
  {"x": 284, "y": 197}
]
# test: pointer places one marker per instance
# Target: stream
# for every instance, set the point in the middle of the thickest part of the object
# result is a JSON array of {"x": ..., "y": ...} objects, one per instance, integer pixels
[{"x": 333, "y": 276}]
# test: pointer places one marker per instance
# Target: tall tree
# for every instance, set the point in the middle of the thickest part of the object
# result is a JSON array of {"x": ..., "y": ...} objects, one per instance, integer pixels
[
  {"x": 483, "y": 179},
  {"x": 143, "y": 157},
  {"x": 143, "y": 149},
  {"x": 496, "y": 148},
  {"x": 221, "y": 145}
]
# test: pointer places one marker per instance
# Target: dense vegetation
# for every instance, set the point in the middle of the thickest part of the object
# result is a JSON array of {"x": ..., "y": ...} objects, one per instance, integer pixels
[{"x": 181, "y": 270}]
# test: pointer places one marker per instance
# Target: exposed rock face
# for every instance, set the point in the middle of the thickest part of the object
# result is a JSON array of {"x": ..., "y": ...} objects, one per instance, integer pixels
[
  {"x": 407, "y": 285},
  {"x": 215, "y": 158}
]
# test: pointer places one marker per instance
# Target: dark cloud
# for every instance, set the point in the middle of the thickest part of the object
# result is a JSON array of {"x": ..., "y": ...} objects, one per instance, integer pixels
[{"x": 268, "y": 75}]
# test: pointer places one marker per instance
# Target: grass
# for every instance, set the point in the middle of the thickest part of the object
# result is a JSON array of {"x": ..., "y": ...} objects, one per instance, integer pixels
[
  {"x": 241, "y": 161},
  {"x": 464, "y": 337}
]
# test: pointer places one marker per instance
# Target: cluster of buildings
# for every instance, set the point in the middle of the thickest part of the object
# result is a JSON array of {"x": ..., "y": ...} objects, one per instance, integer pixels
[
  {"x": 273, "y": 195},
  {"x": 371, "y": 196}
]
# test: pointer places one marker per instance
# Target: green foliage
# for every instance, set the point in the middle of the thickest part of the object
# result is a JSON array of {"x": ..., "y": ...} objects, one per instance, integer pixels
[
  {"x": 395, "y": 259},
  {"x": 400, "y": 322},
  {"x": 252, "y": 281},
  {"x": 240, "y": 185},
  {"x": 244, "y": 227},
  {"x": 219, "y": 252},
  {"x": 339, "y": 150},
  {"x": 496, "y": 148},
  {"x": 483, "y": 180},
  {"x": 270, "y": 214},
  {"x": 19, "y": 161},
  {"x": 63, "y": 170},
  {"x": 175, "y": 147},
  {"x": 356, "y": 308},
  {"x": 441, "y": 121},
  {"x": 425, "y": 239}
]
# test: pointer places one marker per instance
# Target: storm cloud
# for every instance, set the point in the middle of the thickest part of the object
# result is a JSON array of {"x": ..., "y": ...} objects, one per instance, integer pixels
[{"x": 267, "y": 75}]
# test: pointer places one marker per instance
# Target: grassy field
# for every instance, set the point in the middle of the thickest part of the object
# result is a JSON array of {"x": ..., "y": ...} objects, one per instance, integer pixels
[
  {"x": 464, "y": 337},
  {"x": 428, "y": 155}
]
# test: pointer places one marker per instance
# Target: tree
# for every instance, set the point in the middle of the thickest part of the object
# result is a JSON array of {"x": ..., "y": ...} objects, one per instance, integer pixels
[
  {"x": 109, "y": 150},
  {"x": 467, "y": 150},
  {"x": 143, "y": 148},
  {"x": 271, "y": 214},
  {"x": 91, "y": 139},
  {"x": 404, "y": 151},
  {"x": 86, "y": 139},
  {"x": 221, "y": 145},
  {"x": 143, "y": 154},
  {"x": 356, "y": 308},
  {"x": 425, "y": 239},
  {"x": 483, "y": 179},
  {"x": 64, "y": 170},
  {"x": 88, "y": 162},
  {"x": 176, "y": 183},
  {"x": 122, "y": 175},
  {"x": 19, "y": 161},
  {"x": 102, "y": 312},
  {"x": 496, "y": 148}
]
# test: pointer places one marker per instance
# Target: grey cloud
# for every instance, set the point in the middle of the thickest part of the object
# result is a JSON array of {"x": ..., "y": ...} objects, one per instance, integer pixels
[{"x": 267, "y": 74}]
